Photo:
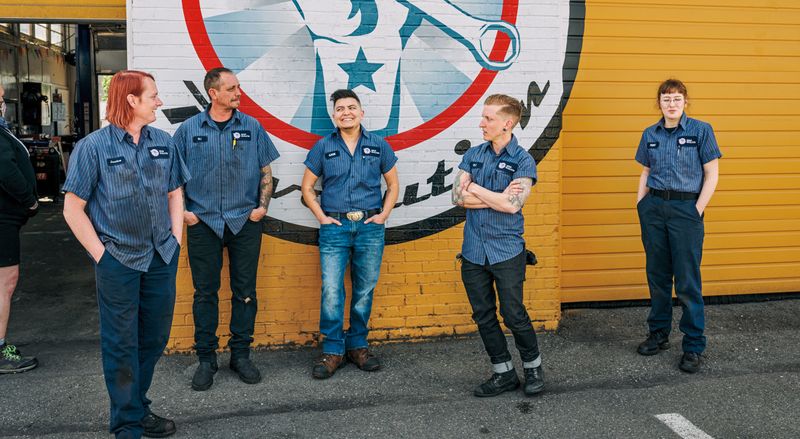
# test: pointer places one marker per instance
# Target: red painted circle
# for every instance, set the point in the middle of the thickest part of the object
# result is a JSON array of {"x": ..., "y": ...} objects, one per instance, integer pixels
[{"x": 209, "y": 58}]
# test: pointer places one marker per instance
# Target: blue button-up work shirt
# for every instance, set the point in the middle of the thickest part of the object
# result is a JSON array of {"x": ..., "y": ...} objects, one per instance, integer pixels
[
  {"x": 351, "y": 182},
  {"x": 489, "y": 234},
  {"x": 226, "y": 168},
  {"x": 676, "y": 159},
  {"x": 125, "y": 187}
]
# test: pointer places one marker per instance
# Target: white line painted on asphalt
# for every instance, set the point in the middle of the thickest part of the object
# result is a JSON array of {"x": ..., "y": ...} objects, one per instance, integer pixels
[{"x": 682, "y": 426}]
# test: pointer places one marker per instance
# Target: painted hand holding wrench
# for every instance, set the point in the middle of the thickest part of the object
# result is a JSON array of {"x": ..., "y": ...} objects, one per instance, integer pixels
[{"x": 468, "y": 30}]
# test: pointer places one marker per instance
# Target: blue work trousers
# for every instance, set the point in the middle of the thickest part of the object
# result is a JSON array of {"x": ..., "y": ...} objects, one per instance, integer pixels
[
  {"x": 672, "y": 234},
  {"x": 135, "y": 319}
]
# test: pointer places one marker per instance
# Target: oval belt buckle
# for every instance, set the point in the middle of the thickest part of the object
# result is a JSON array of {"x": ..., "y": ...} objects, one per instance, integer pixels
[{"x": 355, "y": 216}]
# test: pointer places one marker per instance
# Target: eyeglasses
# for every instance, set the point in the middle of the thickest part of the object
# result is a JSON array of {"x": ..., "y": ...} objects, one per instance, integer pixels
[{"x": 667, "y": 101}]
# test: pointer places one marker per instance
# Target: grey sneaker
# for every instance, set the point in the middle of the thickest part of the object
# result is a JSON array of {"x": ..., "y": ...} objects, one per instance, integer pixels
[{"x": 12, "y": 361}]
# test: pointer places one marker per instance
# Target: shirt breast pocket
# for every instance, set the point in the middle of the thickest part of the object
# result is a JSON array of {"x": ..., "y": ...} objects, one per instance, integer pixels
[
  {"x": 500, "y": 181},
  {"x": 122, "y": 180},
  {"x": 653, "y": 152},
  {"x": 371, "y": 166}
]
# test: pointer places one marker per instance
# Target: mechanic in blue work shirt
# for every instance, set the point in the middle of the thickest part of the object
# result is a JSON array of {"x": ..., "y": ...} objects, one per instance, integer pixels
[
  {"x": 124, "y": 203},
  {"x": 229, "y": 153},
  {"x": 680, "y": 157},
  {"x": 352, "y": 214},
  {"x": 493, "y": 182}
]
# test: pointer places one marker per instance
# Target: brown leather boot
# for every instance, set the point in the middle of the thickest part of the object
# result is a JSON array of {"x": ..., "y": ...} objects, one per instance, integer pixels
[
  {"x": 364, "y": 359},
  {"x": 326, "y": 366}
]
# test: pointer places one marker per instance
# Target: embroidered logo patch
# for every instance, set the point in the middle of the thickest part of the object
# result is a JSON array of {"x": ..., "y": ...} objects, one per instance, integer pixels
[
  {"x": 242, "y": 135},
  {"x": 507, "y": 167},
  {"x": 372, "y": 151},
  {"x": 159, "y": 152},
  {"x": 199, "y": 139}
]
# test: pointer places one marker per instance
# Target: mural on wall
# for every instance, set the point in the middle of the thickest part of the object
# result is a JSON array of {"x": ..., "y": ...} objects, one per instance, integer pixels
[{"x": 421, "y": 68}]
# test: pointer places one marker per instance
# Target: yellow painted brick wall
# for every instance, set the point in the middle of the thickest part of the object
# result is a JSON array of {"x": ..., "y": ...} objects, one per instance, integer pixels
[
  {"x": 61, "y": 10},
  {"x": 419, "y": 294},
  {"x": 741, "y": 62}
]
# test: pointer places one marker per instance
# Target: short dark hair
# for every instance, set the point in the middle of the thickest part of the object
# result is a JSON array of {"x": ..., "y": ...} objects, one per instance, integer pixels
[
  {"x": 344, "y": 93},
  {"x": 212, "y": 77},
  {"x": 672, "y": 85}
]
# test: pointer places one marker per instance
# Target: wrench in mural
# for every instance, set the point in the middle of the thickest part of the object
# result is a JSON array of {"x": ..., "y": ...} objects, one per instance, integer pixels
[{"x": 373, "y": 34}]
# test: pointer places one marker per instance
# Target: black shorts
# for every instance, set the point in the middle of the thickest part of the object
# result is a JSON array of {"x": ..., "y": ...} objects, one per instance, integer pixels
[{"x": 9, "y": 245}]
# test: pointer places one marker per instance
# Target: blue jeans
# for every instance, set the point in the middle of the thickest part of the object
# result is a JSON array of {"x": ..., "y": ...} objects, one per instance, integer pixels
[
  {"x": 361, "y": 246},
  {"x": 135, "y": 320},
  {"x": 672, "y": 234}
]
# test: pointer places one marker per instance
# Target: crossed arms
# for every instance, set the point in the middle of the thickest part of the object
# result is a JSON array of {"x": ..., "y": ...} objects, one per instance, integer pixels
[{"x": 470, "y": 195}]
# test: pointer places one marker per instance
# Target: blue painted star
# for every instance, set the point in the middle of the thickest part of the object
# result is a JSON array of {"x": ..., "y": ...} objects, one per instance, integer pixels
[{"x": 360, "y": 71}]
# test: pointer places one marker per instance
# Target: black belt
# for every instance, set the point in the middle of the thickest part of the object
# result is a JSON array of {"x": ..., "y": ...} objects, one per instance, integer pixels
[
  {"x": 674, "y": 195},
  {"x": 364, "y": 214}
]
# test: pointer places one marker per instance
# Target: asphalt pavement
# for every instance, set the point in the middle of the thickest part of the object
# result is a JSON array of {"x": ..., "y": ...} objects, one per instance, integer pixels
[{"x": 596, "y": 384}]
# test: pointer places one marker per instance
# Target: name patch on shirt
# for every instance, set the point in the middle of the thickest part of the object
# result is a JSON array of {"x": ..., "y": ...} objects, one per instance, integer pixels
[
  {"x": 159, "y": 152},
  {"x": 652, "y": 145},
  {"x": 475, "y": 165},
  {"x": 507, "y": 167},
  {"x": 242, "y": 135},
  {"x": 371, "y": 151},
  {"x": 114, "y": 161},
  {"x": 331, "y": 154},
  {"x": 688, "y": 141},
  {"x": 199, "y": 139}
]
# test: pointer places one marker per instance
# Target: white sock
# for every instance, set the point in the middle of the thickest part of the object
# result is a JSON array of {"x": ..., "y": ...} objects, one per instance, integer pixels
[
  {"x": 503, "y": 367},
  {"x": 533, "y": 364}
]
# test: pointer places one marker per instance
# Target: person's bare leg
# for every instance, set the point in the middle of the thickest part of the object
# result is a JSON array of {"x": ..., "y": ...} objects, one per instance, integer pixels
[{"x": 8, "y": 283}]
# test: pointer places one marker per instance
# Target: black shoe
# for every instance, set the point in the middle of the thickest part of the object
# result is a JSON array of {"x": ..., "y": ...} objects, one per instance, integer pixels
[
  {"x": 498, "y": 383},
  {"x": 655, "y": 343},
  {"x": 204, "y": 376},
  {"x": 534, "y": 380},
  {"x": 690, "y": 362},
  {"x": 246, "y": 370},
  {"x": 156, "y": 426},
  {"x": 12, "y": 361}
]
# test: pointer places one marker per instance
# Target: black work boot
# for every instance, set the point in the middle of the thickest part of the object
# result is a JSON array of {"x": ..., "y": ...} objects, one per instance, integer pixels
[
  {"x": 690, "y": 362},
  {"x": 534, "y": 380},
  {"x": 156, "y": 426},
  {"x": 204, "y": 375},
  {"x": 498, "y": 383},
  {"x": 655, "y": 343},
  {"x": 247, "y": 371}
]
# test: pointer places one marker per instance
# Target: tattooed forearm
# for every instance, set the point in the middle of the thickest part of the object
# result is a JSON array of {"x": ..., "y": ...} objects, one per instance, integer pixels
[
  {"x": 458, "y": 189},
  {"x": 265, "y": 187},
  {"x": 518, "y": 200}
]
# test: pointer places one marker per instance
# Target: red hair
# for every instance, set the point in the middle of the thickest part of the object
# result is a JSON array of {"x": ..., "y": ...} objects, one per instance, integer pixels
[{"x": 124, "y": 83}]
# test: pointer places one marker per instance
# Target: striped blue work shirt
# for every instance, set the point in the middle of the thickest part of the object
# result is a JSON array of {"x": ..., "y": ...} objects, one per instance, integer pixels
[
  {"x": 351, "y": 182},
  {"x": 676, "y": 158},
  {"x": 489, "y": 234},
  {"x": 125, "y": 187},
  {"x": 226, "y": 168}
]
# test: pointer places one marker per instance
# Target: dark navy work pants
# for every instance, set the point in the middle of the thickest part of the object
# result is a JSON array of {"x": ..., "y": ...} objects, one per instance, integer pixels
[
  {"x": 135, "y": 319},
  {"x": 672, "y": 234}
]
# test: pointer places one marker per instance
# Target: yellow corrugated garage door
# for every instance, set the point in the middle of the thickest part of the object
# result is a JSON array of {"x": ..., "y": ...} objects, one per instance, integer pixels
[
  {"x": 741, "y": 62},
  {"x": 61, "y": 10}
]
